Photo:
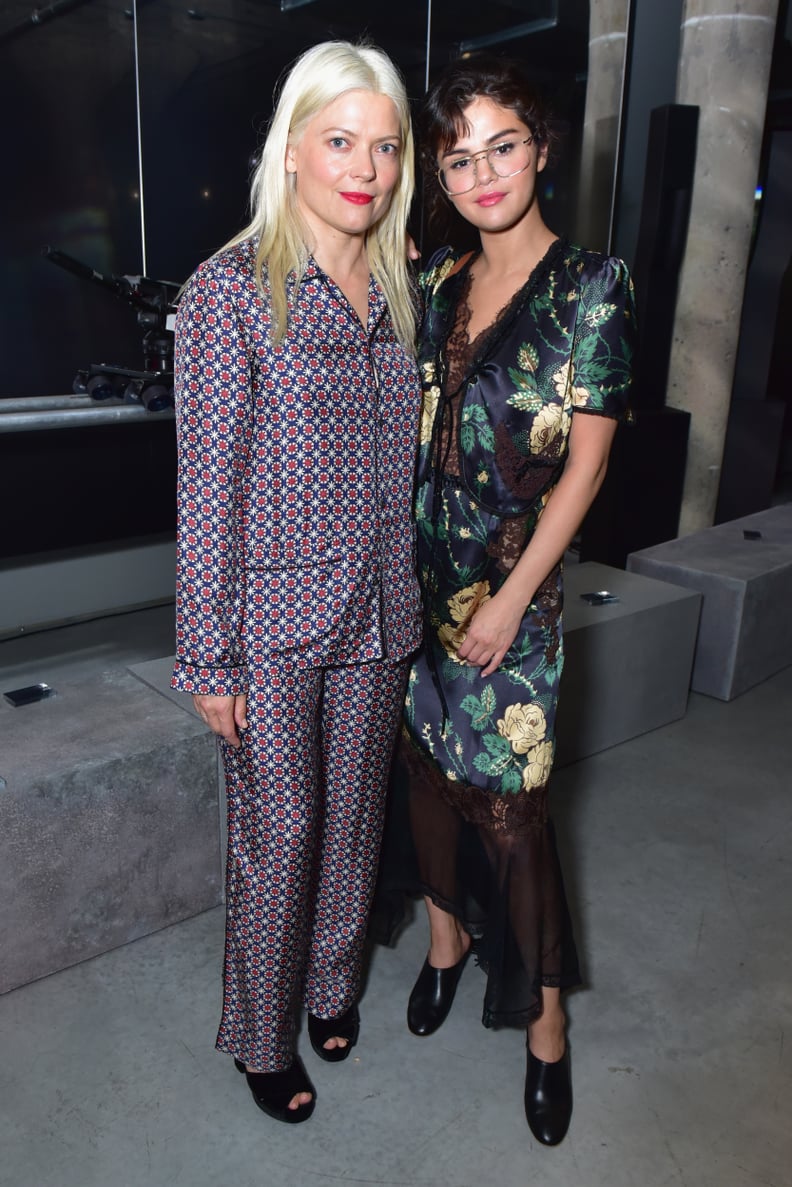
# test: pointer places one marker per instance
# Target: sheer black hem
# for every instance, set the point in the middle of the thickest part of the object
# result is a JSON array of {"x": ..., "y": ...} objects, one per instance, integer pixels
[{"x": 505, "y": 889}]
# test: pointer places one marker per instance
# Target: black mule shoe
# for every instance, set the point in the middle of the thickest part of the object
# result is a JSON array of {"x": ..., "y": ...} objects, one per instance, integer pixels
[
  {"x": 548, "y": 1098},
  {"x": 272, "y": 1091},
  {"x": 432, "y": 996},
  {"x": 346, "y": 1026}
]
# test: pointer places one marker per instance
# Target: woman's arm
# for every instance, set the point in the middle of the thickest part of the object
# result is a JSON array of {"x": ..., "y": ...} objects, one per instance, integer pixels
[
  {"x": 494, "y": 626},
  {"x": 214, "y": 429},
  {"x": 601, "y": 363},
  {"x": 224, "y": 715}
]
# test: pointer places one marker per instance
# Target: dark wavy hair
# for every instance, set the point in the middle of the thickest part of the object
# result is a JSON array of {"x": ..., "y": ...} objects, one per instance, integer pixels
[{"x": 442, "y": 120}]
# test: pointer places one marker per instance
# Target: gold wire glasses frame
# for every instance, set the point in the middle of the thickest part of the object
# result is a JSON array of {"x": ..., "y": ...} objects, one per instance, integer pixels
[{"x": 461, "y": 175}]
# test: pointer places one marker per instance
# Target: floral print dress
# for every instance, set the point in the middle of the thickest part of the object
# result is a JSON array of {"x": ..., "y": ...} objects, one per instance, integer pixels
[{"x": 478, "y": 752}]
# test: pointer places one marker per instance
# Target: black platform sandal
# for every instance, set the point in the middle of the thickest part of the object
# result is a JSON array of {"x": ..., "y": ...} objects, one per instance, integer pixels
[
  {"x": 272, "y": 1091},
  {"x": 346, "y": 1026}
]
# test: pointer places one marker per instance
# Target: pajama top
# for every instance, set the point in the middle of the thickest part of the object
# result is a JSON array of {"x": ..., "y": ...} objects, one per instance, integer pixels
[{"x": 295, "y": 479}]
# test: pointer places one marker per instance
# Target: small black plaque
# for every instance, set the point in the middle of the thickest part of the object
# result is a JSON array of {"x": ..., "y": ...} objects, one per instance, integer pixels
[
  {"x": 599, "y": 597},
  {"x": 28, "y": 695}
]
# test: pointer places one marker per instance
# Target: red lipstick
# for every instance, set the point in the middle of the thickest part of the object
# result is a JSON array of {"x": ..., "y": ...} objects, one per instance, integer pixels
[{"x": 356, "y": 198}]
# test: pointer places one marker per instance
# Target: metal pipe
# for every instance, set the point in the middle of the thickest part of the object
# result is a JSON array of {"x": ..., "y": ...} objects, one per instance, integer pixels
[
  {"x": 43, "y": 403},
  {"x": 79, "y": 418}
]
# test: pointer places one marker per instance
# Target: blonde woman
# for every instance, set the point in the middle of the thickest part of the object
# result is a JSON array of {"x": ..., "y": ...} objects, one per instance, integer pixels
[{"x": 297, "y": 405}]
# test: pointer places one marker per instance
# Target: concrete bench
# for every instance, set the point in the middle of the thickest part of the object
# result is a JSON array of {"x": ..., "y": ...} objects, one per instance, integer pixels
[
  {"x": 745, "y": 633},
  {"x": 108, "y": 822},
  {"x": 627, "y": 663}
]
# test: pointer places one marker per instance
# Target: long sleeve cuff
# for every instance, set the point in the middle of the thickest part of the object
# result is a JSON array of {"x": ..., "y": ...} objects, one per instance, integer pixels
[{"x": 218, "y": 682}]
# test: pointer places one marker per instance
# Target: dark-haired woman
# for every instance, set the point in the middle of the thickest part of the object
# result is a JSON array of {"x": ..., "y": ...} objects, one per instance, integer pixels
[{"x": 525, "y": 355}]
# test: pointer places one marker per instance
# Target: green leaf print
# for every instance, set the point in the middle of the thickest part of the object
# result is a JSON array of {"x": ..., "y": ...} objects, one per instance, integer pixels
[
  {"x": 528, "y": 356},
  {"x": 586, "y": 350},
  {"x": 499, "y": 758},
  {"x": 487, "y": 437},
  {"x": 600, "y": 313},
  {"x": 475, "y": 424},
  {"x": 595, "y": 374},
  {"x": 484, "y": 433},
  {"x": 489, "y": 765},
  {"x": 525, "y": 400},
  {"x": 522, "y": 442},
  {"x": 525, "y": 380},
  {"x": 456, "y": 671},
  {"x": 497, "y": 745},
  {"x": 480, "y": 710},
  {"x": 511, "y": 781}
]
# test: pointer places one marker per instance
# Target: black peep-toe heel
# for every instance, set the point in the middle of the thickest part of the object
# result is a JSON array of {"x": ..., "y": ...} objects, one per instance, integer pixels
[
  {"x": 346, "y": 1026},
  {"x": 272, "y": 1091}
]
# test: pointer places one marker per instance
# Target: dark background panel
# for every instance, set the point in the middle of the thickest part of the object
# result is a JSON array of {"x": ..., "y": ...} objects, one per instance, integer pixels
[
  {"x": 207, "y": 81},
  {"x": 206, "y": 76},
  {"x": 551, "y": 37},
  {"x": 86, "y": 486},
  {"x": 70, "y": 164}
]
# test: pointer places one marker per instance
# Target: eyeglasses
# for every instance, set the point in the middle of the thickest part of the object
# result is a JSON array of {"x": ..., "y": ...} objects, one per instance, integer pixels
[{"x": 506, "y": 159}]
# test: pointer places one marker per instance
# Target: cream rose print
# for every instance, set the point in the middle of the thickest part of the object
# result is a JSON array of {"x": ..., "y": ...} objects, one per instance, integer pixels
[
  {"x": 518, "y": 755},
  {"x": 539, "y": 762},
  {"x": 564, "y": 380},
  {"x": 523, "y": 726},
  {"x": 462, "y": 606},
  {"x": 545, "y": 427},
  {"x": 431, "y": 399}
]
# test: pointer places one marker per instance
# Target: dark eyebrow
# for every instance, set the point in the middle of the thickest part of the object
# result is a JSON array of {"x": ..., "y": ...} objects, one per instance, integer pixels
[{"x": 466, "y": 152}]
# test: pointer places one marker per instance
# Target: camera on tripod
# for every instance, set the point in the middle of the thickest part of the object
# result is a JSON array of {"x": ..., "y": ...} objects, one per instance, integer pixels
[{"x": 155, "y": 303}]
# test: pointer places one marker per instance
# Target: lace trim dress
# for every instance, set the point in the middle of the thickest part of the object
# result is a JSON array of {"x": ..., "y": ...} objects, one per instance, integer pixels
[{"x": 472, "y": 769}]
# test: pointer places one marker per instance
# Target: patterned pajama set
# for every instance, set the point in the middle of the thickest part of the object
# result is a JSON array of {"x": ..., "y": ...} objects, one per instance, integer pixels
[{"x": 296, "y": 587}]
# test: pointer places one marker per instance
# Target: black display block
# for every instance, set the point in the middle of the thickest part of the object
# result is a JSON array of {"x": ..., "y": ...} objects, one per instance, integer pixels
[
  {"x": 83, "y": 486},
  {"x": 662, "y": 236},
  {"x": 641, "y": 498},
  {"x": 750, "y": 458}
]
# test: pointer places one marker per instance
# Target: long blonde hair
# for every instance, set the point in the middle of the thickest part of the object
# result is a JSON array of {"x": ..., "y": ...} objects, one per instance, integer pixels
[{"x": 318, "y": 77}]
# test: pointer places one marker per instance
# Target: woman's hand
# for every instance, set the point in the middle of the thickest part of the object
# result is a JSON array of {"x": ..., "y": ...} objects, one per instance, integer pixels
[
  {"x": 491, "y": 632},
  {"x": 225, "y": 715}
]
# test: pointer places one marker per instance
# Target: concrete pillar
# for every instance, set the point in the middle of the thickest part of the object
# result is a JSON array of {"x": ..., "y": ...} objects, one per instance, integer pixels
[
  {"x": 606, "y": 62},
  {"x": 724, "y": 66}
]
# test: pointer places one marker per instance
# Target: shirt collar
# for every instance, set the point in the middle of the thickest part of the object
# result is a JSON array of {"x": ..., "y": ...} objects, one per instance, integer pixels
[{"x": 376, "y": 297}]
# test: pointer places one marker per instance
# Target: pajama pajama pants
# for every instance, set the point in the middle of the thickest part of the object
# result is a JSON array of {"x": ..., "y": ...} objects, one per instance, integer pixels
[{"x": 306, "y": 797}]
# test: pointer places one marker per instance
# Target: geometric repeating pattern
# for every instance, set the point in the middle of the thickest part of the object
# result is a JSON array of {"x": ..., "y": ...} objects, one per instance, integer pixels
[
  {"x": 297, "y": 586},
  {"x": 303, "y": 845},
  {"x": 295, "y": 479}
]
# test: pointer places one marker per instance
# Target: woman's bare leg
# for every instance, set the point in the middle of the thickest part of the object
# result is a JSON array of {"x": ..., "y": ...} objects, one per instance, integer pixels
[
  {"x": 546, "y": 1036},
  {"x": 448, "y": 939}
]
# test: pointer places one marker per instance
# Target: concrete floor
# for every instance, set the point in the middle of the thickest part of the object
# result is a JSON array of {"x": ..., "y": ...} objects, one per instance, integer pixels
[{"x": 677, "y": 849}]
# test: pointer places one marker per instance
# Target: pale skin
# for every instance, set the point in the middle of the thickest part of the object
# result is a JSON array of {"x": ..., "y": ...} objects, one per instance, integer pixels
[
  {"x": 345, "y": 165},
  {"x": 514, "y": 238}
]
